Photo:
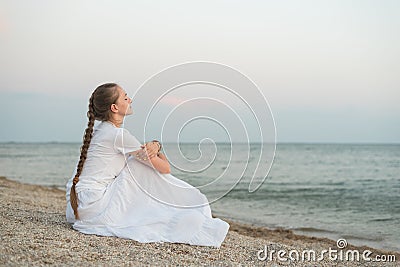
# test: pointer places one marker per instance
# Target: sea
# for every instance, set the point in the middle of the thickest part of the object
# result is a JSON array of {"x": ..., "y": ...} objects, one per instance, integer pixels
[{"x": 346, "y": 191}]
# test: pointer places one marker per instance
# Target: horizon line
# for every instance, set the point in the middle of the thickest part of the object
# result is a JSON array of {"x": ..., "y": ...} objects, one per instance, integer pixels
[{"x": 277, "y": 143}]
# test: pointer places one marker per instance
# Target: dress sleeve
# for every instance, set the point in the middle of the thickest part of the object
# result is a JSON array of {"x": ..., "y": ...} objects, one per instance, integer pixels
[{"x": 125, "y": 142}]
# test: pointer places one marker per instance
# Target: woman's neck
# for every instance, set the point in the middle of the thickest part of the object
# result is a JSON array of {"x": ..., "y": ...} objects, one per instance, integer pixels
[{"x": 116, "y": 122}]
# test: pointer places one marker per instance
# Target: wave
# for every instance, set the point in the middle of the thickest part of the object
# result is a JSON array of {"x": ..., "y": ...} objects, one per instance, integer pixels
[
  {"x": 382, "y": 219},
  {"x": 312, "y": 230}
]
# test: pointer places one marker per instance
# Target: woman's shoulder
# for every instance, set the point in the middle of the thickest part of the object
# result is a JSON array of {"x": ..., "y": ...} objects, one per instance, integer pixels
[
  {"x": 108, "y": 127},
  {"x": 125, "y": 141},
  {"x": 105, "y": 130},
  {"x": 117, "y": 137},
  {"x": 116, "y": 132}
]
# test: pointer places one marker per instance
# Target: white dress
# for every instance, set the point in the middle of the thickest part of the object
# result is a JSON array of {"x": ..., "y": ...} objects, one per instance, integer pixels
[{"x": 120, "y": 196}]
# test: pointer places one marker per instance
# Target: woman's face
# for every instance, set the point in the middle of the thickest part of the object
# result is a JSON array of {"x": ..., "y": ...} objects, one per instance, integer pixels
[{"x": 123, "y": 103}]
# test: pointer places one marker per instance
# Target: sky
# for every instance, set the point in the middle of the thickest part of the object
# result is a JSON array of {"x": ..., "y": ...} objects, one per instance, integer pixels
[{"x": 329, "y": 70}]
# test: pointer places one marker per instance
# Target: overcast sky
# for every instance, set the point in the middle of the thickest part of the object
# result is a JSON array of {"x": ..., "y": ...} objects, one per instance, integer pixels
[{"x": 329, "y": 69}]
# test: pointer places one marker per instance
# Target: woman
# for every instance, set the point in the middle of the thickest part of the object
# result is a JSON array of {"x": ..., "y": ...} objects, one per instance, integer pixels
[{"x": 124, "y": 189}]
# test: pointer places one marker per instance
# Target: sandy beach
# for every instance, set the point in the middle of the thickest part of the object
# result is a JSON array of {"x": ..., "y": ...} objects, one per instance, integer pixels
[{"x": 34, "y": 232}]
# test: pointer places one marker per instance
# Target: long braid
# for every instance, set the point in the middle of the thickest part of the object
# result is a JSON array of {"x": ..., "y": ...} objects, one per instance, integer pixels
[
  {"x": 84, "y": 149},
  {"x": 99, "y": 109}
]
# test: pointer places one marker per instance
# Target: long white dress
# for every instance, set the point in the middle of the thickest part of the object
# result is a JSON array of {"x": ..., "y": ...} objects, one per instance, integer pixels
[{"x": 120, "y": 196}]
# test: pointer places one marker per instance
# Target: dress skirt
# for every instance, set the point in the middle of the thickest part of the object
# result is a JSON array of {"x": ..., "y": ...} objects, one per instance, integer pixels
[{"x": 146, "y": 206}]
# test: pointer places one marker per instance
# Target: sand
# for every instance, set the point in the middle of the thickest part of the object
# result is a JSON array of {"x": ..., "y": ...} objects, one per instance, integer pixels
[{"x": 34, "y": 232}]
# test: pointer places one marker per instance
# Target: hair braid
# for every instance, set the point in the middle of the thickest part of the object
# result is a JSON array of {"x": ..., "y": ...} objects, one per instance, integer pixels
[
  {"x": 84, "y": 149},
  {"x": 99, "y": 109}
]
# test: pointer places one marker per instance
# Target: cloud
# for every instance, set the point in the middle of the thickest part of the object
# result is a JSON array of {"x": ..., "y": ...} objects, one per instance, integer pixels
[
  {"x": 172, "y": 100},
  {"x": 4, "y": 26}
]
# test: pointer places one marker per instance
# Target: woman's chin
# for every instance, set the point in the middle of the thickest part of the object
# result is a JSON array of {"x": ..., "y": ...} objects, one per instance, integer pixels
[{"x": 128, "y": 112}]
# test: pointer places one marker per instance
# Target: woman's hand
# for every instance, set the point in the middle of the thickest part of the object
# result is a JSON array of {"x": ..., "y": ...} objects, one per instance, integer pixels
[
  {"x": 150, "y": 156},
  {"x": 151, "y": 148}
]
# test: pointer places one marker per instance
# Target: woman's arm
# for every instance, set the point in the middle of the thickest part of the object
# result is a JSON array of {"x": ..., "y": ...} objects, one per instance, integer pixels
[
  {"x": 161, "y": 164},
  {"x": 150, "y": 155}
]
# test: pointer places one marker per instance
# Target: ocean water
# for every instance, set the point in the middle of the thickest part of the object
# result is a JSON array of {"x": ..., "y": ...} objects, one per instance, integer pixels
[{"x": 349, "y": 191}]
